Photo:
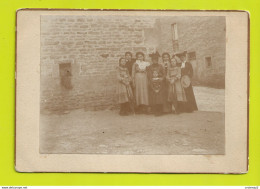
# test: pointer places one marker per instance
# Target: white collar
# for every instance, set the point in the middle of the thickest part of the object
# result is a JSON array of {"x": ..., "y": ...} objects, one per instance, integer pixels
[
  {"x": 183, "y": 64},
  {"x": 142, "y": 64}
]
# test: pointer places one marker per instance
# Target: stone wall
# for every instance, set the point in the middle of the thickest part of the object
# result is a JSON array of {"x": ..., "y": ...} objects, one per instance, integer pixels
[
  {"x": 79, "y": 54},
  {"x": 91, "y": 48},
  {"x": 206, "y": 36}
]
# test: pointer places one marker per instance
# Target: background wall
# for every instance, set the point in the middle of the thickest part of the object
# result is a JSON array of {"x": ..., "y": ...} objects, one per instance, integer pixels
[
  {"x": 203, "y": 37},
  {"x": 92, "y": 47},
  {"x": 79, "y": 54},
  {"x": 7, "y": 81}
]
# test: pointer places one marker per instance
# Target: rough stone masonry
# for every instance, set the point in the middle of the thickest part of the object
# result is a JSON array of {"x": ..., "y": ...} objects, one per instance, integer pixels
[{"x": 79, "y": 54}]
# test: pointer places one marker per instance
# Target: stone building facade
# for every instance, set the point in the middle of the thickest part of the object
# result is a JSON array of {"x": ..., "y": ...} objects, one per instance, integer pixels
[
  {"x": 79, "y": 54},
  {"x": 204, "y": 38}
]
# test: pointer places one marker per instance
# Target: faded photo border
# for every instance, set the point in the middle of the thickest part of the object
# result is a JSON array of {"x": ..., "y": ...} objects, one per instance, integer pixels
[{"x": 28, "y": 158}]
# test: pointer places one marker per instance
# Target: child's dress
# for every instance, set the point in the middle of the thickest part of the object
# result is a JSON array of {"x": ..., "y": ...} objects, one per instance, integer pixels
[
  {"x": 124, "y": 90},
  {"x": 167, "y": 106},
  {"x": 176, "y": 91},
  {"x": 156, "y": 78}
]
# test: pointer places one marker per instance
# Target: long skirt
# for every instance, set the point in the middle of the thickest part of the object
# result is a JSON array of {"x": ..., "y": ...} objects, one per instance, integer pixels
[
  {"x": 124, "y": 93},
  {"x": 167, "y": 105},
  {"x": 156, "y": 97},
  {"x": 191, "y": 104},
  {"x": 176, "y": 92},
  {"x": 141, "y": 89}
]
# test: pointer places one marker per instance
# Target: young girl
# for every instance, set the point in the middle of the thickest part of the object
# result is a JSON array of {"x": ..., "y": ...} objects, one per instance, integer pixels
[
  {"x": 176, "y": 92},
  {"x": 156, "y": 84},
  {"x": 125, "y": 93},
  {"x": 140, "y": 83}
]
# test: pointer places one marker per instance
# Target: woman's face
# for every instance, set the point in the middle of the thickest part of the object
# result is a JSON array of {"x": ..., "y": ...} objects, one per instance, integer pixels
[
  {"x": 183, "y": 58},
  {"x": 155, "y": 60},
  {"x": 128, "y": 56},
  {"x": 122, "y": 62},
  {"x": 174, "y": 62},
  {"x": 140, "y": 57},
  {"x": 165, "y": 58}
]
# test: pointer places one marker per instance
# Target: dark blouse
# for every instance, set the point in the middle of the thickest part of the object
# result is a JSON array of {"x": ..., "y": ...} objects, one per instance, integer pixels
[
  {"x": 187, "y": 70},
  {"x": 156, "y": 68},
  {"x": 129, "y": 65}
]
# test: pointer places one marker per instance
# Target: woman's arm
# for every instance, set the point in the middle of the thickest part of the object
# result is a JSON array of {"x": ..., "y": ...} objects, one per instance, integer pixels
[
  {"x": 178, "y": 75},
  {"x": 119, "y": 78},
  {"x": 128, "y": 75},
  {"x": 133, "y": 74},
  {"x": 168, "y": 78},
  {"x": 190, "y": 70},
  {"x": 149, "y": 76},
  {"x": 161, "y": 73}
]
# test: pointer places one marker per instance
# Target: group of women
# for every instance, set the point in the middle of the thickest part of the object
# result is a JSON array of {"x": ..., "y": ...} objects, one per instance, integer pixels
[{"x": 154, "y": 88}]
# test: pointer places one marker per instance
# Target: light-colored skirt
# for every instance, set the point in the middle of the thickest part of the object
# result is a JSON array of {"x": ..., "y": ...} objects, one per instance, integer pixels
[
  {"x": 176, "y": 90},
  {"x": 141, "y": 89},
  {"x": 124, "y": 92}
]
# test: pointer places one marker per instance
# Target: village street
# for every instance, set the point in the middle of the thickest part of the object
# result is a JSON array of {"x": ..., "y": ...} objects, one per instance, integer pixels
[{"x": 105, "y": 132}]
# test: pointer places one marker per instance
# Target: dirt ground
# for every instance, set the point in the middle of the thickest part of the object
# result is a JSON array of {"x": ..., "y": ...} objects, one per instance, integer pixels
[{"x": 105, "y": 132}]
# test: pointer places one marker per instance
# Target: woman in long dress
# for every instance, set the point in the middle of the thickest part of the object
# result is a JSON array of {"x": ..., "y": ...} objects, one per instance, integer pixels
[
  {"x": 167, "y": 106},
  {"x": 187, "y": 70},
  {"x": 124, "y": 91},
  {"x": 156, "y": 78},
  {"x": 140, "y": 83}
]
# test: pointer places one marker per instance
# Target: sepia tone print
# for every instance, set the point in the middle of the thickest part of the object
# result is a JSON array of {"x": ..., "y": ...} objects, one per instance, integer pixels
[{"x": 132, "y": 84}]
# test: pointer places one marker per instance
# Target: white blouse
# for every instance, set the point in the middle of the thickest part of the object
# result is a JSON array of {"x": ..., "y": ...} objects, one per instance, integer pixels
[
  {"x": 183, "y": 64},
  {"x": 142, "y": 64}
]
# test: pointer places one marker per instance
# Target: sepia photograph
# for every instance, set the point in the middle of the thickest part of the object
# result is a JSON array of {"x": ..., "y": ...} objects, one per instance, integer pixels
[
  {"x": 132, "y": 91},
  {"x": 132, "y": 84}
]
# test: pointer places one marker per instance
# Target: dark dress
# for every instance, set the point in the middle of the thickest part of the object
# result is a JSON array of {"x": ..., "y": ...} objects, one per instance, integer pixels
[
  {"x": 156, "y": 80},
  {"x": 167, "y": 106},
  {"x": 124, "y": 91},
  {"x": 129, "y": 65},
  {"x": 191, "y": 104}
]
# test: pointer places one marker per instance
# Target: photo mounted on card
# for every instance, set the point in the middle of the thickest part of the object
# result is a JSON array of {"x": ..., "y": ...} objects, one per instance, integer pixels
[{"x": 132, "y": 91}]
